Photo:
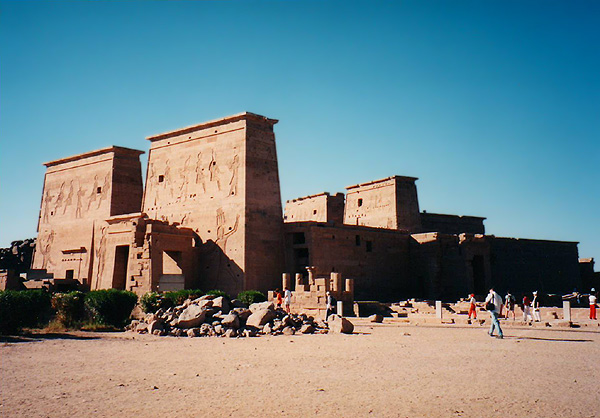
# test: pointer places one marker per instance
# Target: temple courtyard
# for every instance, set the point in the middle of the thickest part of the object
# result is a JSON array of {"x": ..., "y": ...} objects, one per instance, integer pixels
[{"x": 382, "y": 370}]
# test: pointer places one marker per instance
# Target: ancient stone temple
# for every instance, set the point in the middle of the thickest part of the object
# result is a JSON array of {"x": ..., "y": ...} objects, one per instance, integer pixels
[{"x": 210, "y": 217}]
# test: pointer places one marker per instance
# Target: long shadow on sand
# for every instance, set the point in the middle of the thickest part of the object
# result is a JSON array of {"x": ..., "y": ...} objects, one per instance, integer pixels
[
  {"x": 30, "y": 338},
  {"x": 568, "y": 340}
]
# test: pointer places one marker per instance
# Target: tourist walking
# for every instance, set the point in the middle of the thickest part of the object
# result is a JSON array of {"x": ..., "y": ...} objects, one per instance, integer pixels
[
  {"x": 493, "y": 303},
  {"x": 527, "y": 309},
  {"x": 536, "y": 307},
  {"x": 472, "y": 306},
  {"x": 330, "y": 306},
  {"x": 593, "y": 301},
  {"x": 278, "y": 298},
  {"x": 509, "y": 304},
  {"x": 288, "y": 299}
]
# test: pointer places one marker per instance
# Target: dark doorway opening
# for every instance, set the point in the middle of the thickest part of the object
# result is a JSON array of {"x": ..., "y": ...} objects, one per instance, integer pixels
[
  {"x": 479, "y": 275},
  {"x": 120, "y": 270}
]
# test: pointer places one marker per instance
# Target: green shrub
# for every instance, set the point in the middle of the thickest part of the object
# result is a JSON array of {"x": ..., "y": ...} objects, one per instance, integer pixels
[
  {"x": 69, "y": 308},
  {"x": 216, "y": 293},
  {"x": 150, "y": 302},
  {"x": 110, "y": 307},
  {"x": 251, "y": 296},
  {"x": 23, "y": 308},
  {"x": 178, "y": 297}
]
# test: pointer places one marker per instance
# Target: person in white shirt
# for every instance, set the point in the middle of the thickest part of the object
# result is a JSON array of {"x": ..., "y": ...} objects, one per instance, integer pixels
[
  {"x": 593, "y": 301},
  {"x": 287, "y": 299},
  {"x": 494, "y": 299},
  {"x": 535, "y": 304}
]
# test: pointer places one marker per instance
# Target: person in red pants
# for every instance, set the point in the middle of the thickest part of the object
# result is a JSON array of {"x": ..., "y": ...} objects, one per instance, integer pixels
[
  {"x": 472, "y": 307},
  {"x": 593, "y": 301}
]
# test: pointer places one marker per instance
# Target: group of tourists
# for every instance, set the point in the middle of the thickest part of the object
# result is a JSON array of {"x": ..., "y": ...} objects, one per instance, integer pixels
[
  {"x": 285, "y": 298},
  {"x": 531, "y": 308}
]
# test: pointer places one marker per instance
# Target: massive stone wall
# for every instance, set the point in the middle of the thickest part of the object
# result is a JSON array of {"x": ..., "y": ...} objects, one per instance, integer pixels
[
  {"x": 389, "y": 203},
  {"x": 451, "y": 224},
  {"x": 221, "y": 180},
  {"x": 377, "y": 259},
  {"x": 321, "y": 207},
  {"x": 79, "y": 193},
  {"x": 525, "y": 265}
]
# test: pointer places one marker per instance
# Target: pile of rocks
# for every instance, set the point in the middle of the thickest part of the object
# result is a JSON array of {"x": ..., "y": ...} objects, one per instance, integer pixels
[{"x": 216, "y": 316}]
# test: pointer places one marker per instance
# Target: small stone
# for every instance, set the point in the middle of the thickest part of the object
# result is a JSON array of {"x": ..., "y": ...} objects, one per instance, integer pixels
[
  {"x": 307, "y": 329},
  {"x": 230, "y": 333},
  {"x": 377, "y": 318},
  {"x": 289, "y": 331}
]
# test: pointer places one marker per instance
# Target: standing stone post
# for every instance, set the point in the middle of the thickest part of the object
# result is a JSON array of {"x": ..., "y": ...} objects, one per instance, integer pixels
[
  {"x": 567, "y": 310},
  {"x": 298, "y": 280},
  {"x": 438, "y": 309},
  {"x": 286, "y": 280},
  {"x": 311, "y": 275},
  {"x": 337, "y": 282},
  {"x": 340, "y": 308},
  {"x": 350, "y": 285}
]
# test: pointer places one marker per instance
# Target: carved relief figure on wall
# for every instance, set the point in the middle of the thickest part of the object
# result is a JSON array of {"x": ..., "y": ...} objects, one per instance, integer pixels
[
  {"x": 104, "y": 190},
  {"x": 59, "y": 198},
  {"x": 101, "y": 254},
  {"x": 93, "y": 193},
  {"x": 200, "y": 172},
  {"x": 45, "y": 247},
  {"x": 183, "y": 189},
  {"x": 69, "y": 199},
  {"x": 214, "y": 171},
  {"x": 46, "y": 205},
  {"x": 80, "y": 195},
  {"x": 168, "y": 179},
  {"x": 234, "y": 166}
]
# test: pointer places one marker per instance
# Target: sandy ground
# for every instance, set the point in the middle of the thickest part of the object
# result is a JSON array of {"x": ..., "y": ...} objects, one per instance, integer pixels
[{"x": 382, "y": 370}]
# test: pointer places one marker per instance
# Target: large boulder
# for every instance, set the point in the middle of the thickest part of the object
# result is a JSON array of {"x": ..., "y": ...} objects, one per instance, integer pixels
[
  {"x": 242, "y": 313},
  {"x": 221, "y": 303},
  {"x": 156, "y": 325},
  {"x": 231, "y": 320},
  {"x": 338, "y": 325},
  {"x": 192, "y": 316},
  {"x": 255, "y": 307},
  {"x": 260, "y": 317}
]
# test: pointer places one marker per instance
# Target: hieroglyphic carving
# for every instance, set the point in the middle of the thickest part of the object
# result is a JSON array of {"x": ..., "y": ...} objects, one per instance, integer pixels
[
  {"x": 93, "y": 193},
  {"x": 101, "y": 254},
  {"x": 46, "y": 205},
  {"x": 69, "y": 199},
  {"x": 233, "y": 182},
  {"x": 45, "y": 247},
  {"x": 80, "y": 195},
  {"x": 59, "y": 199},
  {"x": 215, "y": 173},
  {"x": 200, "y": 172},
  {"x": 183, "y": 188},
  {"x": 223, "y": 236},
  {"x": 104, "y": 190}
]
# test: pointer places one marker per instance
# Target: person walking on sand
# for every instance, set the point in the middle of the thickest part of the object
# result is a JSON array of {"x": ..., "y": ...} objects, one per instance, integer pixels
[
  {"x": 493, "y": 302},
  {"x": 472, "y": 306},
  {"x": 535, "y": 304},
  {"x": 509, "y": 304},
  {"x": 526, "y": 309},
  {"x": 593, "y": 301},
  {"x": 288, "y": 299}
]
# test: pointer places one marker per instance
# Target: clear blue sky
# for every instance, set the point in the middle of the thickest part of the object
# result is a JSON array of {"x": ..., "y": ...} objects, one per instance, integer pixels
[{"x": 495, "y": 106}]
